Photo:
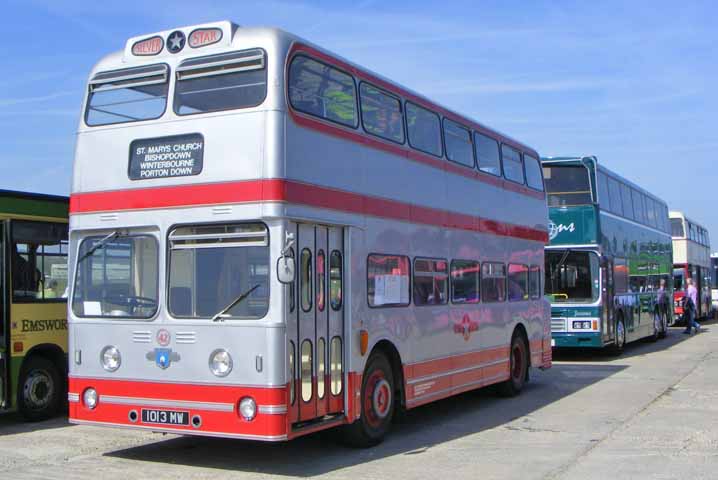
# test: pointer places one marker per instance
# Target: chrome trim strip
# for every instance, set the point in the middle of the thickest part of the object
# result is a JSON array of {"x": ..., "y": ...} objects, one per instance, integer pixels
[
  {"x": 178, "y": 382},
  {"x": 73, "y": 397},
  {"x": 477, "y": 383},
  {"x": 176, "y": 431},
  {"x": 273, "y": 409},
  {"x": 452, "y": 372},
  {"x": 156, "y": 402}
]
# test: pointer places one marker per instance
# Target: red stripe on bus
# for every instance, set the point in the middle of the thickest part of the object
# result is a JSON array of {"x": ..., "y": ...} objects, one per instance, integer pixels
[{"x": 293, "y": 192}]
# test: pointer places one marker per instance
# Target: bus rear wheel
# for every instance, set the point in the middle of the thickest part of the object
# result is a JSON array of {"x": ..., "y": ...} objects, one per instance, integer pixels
[
  {"x": 518, "y": 367},
  {"x": 39, "y": 389},
  {"x": 377, "y": 404}
]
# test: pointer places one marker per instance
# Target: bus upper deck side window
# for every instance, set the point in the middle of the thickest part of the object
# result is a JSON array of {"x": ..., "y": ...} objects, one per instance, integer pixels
[
  {"x": 226, "y": 81},
  {"x": 487, "y": 154},
  {"x": 127, "y": 95}
]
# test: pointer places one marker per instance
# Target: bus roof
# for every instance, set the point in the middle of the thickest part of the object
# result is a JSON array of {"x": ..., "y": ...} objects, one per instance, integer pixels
[
  {"x": 605, "y": 170},
  {"x": 272, "y": 35},
  {"x": 14, "y": 202}
]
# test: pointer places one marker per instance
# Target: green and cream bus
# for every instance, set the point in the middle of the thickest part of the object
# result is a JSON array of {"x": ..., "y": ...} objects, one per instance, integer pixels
[
  {"x": 33, "y": 291},
  {"x": 609, "y": 258}
]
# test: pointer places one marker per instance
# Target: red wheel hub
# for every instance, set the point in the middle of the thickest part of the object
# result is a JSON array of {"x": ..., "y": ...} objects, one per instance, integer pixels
[{"x": 377, "y": 398}]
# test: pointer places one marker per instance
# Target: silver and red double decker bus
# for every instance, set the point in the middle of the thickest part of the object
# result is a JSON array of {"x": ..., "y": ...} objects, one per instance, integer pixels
[{"x": 268, "y": 240}]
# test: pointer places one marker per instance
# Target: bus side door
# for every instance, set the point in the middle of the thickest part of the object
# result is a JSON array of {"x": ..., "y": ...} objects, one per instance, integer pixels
[
  {"x": 607, "y": 325},
  {"x": 4, "y": 321}
]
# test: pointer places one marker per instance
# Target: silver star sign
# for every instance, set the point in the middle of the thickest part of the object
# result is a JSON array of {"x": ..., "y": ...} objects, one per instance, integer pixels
[{"x": 176, "y": 41}]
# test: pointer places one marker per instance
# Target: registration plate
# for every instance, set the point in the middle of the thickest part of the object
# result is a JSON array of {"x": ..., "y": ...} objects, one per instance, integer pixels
[{"x": 165, "y": 417}]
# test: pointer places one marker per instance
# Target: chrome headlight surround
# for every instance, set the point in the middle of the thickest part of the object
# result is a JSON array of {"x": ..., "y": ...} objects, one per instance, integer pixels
[
  {"x": 110, "y": 358},
  {"x": 90, "y": 398},
  {"x": 220, "y": 362},
  {"x": 247, "y": 408}
]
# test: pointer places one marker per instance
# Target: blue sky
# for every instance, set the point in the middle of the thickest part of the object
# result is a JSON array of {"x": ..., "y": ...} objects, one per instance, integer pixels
[{"x": 631, "y": 82}]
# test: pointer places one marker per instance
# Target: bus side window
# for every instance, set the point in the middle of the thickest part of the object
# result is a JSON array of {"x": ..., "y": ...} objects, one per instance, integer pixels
[
  {"x": 335, "y": 280},
  {"x": 306, "y": 280},
  {"x": 39, "y": 261},
  {"x": 534, "y": 282},
  {"x": 511, "y": 161},
  {"x": 493, "y": 282},
  {"x": 487, "y": 154},
  {"x": 518, "y": 282}
]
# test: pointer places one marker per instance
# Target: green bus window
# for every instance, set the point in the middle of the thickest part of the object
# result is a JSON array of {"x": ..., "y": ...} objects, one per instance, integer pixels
[{"x": 39, "y": 262}]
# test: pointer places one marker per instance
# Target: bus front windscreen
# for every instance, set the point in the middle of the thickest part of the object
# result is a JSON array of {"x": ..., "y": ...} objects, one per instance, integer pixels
[
  {"x": 572, "y": 276},
  {"x": 219, "y": 271},
  {"x": 567, "y": 185}
]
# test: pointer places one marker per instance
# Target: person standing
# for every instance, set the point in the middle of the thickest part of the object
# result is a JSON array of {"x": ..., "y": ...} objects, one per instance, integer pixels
[{"x": 691, "y": 300}]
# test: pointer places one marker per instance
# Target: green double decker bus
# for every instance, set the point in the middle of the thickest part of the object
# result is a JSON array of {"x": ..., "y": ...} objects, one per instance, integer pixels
[{"x": 609, "y": 260}]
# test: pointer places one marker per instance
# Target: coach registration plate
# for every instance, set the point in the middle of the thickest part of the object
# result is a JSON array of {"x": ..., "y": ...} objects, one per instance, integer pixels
[{"x": 165, "y": 417}]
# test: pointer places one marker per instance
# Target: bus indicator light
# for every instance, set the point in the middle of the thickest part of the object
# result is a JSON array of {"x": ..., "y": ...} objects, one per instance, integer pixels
[
  {"x": 204, "y": 36},
  {"x": 148, "y": 47},
  {"x": 18, "y": 347}
]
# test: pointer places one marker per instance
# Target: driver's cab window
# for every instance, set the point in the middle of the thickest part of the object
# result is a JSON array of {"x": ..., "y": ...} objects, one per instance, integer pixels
[
  {"x": 117, "y": 276},
  {"x": 39, "y": 262}
]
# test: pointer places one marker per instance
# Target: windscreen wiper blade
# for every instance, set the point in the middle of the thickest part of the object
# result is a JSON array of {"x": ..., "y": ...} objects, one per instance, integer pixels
[
  {"x": 236, "y": 302},
  {"x": 99, "y": 245}
]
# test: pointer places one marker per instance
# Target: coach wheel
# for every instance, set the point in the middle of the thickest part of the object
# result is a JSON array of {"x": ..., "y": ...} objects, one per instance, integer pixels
[
  {"x": 377, "y": 404},
  {"x": 620, "y": 341},
  {"x": 664, "y": 325},
  {"x": 657, "y": 327},
  {"x": 518, "y": 367},
  {"x": 39, "y": 389}
]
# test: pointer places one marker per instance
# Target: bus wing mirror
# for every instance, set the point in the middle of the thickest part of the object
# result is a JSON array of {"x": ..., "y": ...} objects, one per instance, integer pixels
[{"x": 285, "y": 269}]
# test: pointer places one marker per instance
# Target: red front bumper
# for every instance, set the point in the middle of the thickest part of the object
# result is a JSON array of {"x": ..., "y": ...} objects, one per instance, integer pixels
[{"x": 216, "y": 407}]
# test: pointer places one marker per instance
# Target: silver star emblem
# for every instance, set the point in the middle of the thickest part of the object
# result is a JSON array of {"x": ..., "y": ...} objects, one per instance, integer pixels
[{"x": 176, "y": 41}]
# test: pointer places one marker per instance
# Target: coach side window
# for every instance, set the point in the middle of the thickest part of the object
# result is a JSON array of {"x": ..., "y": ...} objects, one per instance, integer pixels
[
  {"x": 465, "y": 278},
  {"x": 518, "y": 282},
  {"x": 430, "y": 281},
  {"x": 511, "y": 160},
  {"x": 614, "y": 190},
  {"x": 381, "y": 113},
  {"x": 603, "y": 197},
  {"x": 387, "y": 280},
  {"x": 458, "y": 143},
  {"x": 487, "y": 154},
  {"x": 493, "y": 282},
  {"x": 627, "y": 202},
  {"x": 639, "y": 213},
  {"x": 533, "y": 172},
  {"x": 322, "y": 91},
  {"x": 424, "y": 129}
]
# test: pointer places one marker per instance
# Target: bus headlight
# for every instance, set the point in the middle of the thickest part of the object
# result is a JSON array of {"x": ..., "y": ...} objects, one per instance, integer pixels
[
  {"x": 89, "y": 398},
  {"x": 248, "y": 408},
  {"x": 110, "y": 358},
  {"x": 220, "y": 362}
]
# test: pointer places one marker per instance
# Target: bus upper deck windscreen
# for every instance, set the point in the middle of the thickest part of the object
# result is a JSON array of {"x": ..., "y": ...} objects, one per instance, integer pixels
[{"x": 567, "y": 185}]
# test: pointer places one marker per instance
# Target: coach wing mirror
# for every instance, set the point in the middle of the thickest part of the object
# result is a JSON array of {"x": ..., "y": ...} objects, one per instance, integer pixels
[{"x": 286, "y": 265}]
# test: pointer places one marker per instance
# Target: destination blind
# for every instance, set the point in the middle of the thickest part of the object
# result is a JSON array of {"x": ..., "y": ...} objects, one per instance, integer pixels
[{"x": 165, "y": 157}]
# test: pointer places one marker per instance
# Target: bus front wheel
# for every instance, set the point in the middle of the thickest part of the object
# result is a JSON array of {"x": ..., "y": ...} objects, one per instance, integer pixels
[
  {"x": 377, "y": 404},
  {"x": 620, "y": 341},
  {"x": 39, "y": 389}
]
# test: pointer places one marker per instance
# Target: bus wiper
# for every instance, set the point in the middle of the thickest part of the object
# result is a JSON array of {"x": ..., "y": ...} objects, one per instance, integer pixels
[
  {"x": 236, "y": 302},
  {"x": 560, "y": 263},
  {"x": 99, "y": 245}
]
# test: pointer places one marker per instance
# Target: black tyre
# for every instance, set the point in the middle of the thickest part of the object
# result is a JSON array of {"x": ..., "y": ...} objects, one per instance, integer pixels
[
  {"x": 664, "y": 325},
  {"x": 518, "y": 367},
  {"x": 657, "y": 327},
  {"x": 620, "y": 342},
  {"x": 40, "y": 389},
  {"x": 377, "y": 404}
]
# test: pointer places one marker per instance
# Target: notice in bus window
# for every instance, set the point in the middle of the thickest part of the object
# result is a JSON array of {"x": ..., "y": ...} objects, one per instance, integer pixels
[
  {"x": 391, "y": 290},
  {"x": 176, "y": 156}
]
